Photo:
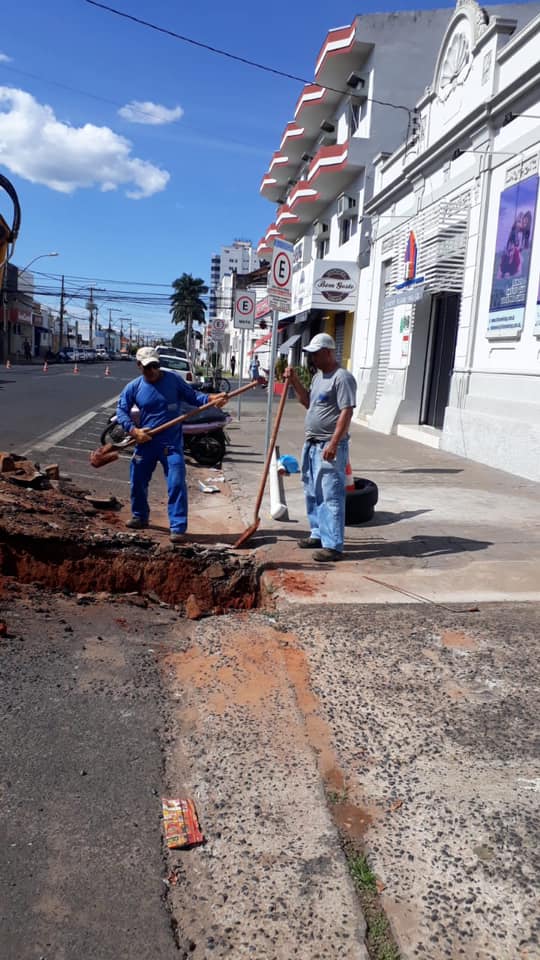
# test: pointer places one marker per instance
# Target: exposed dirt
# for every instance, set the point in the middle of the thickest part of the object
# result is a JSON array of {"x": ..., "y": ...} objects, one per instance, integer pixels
[{"x": 54, "y": 537}]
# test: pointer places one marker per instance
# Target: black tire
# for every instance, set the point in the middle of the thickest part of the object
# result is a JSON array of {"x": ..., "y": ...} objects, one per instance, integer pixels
[
  {"x": 222, "y": 385},
  {"x": 116, "y": 435},
  {"x": 208, "y": 449},
  {"x": 360, "y": 504}
]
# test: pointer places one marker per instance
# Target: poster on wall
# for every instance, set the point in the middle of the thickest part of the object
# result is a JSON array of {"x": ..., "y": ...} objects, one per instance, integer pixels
[{"x": 512, "y": 258}]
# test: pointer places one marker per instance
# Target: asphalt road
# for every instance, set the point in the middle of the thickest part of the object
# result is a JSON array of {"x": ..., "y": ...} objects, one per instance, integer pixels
[
  {"x": 82, "y": 717},
  {"x": 34, "y": 403}
]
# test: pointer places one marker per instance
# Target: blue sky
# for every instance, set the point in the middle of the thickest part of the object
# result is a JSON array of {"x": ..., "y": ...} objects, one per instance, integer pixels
[{"x": 214, "y": 155}]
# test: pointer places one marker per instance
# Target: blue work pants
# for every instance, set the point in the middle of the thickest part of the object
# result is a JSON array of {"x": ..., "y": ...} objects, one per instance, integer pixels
[
  {"x": 143, "y": 464},
  {"x": 324, "y": 490}
]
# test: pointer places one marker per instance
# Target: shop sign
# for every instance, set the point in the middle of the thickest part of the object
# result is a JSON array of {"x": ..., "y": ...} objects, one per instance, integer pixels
[
  {"x": 325, "y": 285},
  {"x": 335, "y": 284},
  {"x": 515, "y": 226},
  {"x": 406, "y": 295}
]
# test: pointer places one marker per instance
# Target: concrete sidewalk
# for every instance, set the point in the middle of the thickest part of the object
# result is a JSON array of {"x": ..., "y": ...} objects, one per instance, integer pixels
[{"x": 445, "y": 528}]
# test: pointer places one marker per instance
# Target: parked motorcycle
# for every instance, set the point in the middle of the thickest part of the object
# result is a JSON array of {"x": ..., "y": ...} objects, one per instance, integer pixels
[{"x": 204, "y": 435}]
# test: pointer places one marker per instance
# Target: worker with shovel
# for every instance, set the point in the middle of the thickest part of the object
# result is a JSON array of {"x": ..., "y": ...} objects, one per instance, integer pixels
[
  {"x": 158, "y": 394},
  {"x": 329, "y": 403}
]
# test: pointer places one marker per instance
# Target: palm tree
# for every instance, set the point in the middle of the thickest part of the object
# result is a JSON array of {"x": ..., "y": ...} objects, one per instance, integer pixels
[{"x": 187, "y": 305}]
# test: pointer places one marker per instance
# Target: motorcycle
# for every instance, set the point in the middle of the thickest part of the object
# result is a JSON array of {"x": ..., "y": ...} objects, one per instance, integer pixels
[{"x": 203, "y": 435}]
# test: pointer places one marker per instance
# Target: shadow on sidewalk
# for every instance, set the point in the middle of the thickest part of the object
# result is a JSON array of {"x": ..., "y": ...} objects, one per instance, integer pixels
[
  {"x": 416, "y": 547},
  {"x": 382, "y": 518}
]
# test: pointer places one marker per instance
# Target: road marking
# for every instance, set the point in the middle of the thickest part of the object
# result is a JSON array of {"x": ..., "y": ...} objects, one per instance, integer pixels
[
  {"x": 97, "y": 476},
  {"x": 71, "y": 426},
  {"x": 51, "y": 439}
]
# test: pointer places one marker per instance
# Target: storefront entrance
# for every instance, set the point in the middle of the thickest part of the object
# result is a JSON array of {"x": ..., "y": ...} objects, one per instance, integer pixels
[{"x": 441, "y": 350}]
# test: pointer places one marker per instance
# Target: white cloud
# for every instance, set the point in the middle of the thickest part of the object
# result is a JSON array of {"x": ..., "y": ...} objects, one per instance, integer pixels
[
  {"x": 4, "y": 58},
  {"x": 40, "y": 148},
  {"x": 154, "y": 114}
]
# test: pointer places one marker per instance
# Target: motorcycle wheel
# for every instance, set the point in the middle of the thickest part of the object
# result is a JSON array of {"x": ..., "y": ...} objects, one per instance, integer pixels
[
  {"x": 208, "y": 449},
  {"x": 222, "y": 385},
  {"x": 116, "y": 435}
]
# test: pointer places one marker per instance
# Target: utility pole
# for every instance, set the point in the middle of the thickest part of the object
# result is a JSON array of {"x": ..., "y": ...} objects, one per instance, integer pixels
[
  {"x": 90, "y": 306},
  {"x": 188, "y": 333},
  {"x": 62, "y": 310}
]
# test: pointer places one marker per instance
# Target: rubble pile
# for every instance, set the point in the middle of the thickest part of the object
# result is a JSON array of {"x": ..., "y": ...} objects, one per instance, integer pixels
[{"x": 51, "y": 533}]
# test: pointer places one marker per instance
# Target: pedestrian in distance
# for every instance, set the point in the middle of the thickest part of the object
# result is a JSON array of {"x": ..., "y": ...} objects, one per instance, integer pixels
[
  {"x": 330, "y": 403},
  {"x": 255, "y": 369},
  {"x": 27, "y": 350},
  {"x": 233, "y": 365},
  {"x": 159, "y": 395}
]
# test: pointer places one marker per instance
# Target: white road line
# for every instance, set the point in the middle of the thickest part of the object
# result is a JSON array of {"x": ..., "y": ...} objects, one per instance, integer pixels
[
  {"x": 51, "y": 439},
  {"x": 97, "y": 476},
  {"x": 71, "y": 426}
]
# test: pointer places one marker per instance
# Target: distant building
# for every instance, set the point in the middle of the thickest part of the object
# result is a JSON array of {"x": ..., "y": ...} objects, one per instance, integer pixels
[{"x": 240, "y": 257}]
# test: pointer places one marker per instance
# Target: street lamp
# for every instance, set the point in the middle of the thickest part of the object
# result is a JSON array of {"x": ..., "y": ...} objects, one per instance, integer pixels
[
  {"x": 40, "y": 256},
  {"x": 4, "y": 297}
]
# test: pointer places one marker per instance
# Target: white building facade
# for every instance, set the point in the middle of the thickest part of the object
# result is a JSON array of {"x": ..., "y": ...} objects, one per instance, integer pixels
[
  {"x": 447, "y": 334},
  {"x": 368, "y": 77}
]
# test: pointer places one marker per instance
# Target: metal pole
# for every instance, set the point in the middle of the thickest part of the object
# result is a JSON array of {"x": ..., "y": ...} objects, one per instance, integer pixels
[
  {"x": 240, "y": 375},
  {"x": 271, "y": 376},
  {"x": 61, "y": 328}
]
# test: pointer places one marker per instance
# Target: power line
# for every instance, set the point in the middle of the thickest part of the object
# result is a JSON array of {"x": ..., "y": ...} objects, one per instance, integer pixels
[{"x": 232, "y": 56}]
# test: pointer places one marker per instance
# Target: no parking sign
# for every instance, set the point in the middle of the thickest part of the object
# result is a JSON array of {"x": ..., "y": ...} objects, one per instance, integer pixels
[
  {"x": 280, "y": 276},
  {"x": 244, "y": 310}
]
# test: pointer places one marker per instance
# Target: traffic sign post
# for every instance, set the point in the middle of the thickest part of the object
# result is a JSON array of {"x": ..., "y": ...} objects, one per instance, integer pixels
[
  {"x": 244, "y": 310},
  {"x": 279, "y": 299},
  {"x": 280, "y": 276}
]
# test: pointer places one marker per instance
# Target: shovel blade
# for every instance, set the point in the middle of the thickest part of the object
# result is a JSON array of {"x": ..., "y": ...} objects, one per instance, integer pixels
[
  {"x": 103, "y": 455},
  {"x": 247, "y": 534}
]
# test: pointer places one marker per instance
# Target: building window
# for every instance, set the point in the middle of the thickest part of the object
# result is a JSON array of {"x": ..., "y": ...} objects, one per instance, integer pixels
[
  {"x": 323, "y": 247},
  {"x": 354, "y": 121},
  {"x": 344, "y": 231}
]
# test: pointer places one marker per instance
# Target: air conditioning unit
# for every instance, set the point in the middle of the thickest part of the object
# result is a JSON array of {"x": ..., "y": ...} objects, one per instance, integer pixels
[
  {"x": 346, "y": 206},
  {"x": 321, "y": 229}
]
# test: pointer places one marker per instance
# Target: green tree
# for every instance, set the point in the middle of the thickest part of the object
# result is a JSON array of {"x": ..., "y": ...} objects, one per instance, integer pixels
[
  {"x": 187, "y": 306},
  {"x": 179, "y": 339}
]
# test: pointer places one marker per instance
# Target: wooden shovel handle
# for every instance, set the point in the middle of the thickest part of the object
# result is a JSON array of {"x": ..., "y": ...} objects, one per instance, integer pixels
[
  {"x": 193, "y": 413},
  {"x": 270, "y": 451}
]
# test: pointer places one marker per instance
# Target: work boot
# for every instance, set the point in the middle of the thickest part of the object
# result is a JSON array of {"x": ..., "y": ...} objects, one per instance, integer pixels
[
  {"x": 326, "y": 555},
  {"x": 309, "y": 542},
  {"x": 177, "y": 537},
  {"x": 137, "y": 524}
]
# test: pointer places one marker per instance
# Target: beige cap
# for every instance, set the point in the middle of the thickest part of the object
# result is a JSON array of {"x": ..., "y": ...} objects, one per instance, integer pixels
[{"x": 146, "y": 355}]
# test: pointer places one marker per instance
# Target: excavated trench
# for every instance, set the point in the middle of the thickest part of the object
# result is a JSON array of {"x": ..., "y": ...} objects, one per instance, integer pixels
[{"x": 52, "y": 536}]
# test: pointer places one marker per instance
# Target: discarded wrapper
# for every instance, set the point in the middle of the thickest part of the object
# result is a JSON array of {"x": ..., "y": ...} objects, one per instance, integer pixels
[
  {"x": 206, "y": 489},
  {"x": 180, "y": 823}
]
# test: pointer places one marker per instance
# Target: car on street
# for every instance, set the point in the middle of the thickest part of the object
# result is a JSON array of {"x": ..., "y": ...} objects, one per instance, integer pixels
[
  {"x": 102, "y": 354},
  {"x": 180, "y": 365},
  {"x": 171, "y": 351}
]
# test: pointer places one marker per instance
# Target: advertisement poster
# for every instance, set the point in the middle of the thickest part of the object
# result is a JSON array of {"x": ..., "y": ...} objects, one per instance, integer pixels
[{"x": 512, "y": 258}]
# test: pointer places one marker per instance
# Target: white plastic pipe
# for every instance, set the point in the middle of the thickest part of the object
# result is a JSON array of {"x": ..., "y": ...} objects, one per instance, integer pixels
[{"x": 278, "y": 502}]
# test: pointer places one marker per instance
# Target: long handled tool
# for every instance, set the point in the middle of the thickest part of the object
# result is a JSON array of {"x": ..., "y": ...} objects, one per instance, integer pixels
[
  {"x": 266, "y": 469},
  {"x": 108, "y": 453}
]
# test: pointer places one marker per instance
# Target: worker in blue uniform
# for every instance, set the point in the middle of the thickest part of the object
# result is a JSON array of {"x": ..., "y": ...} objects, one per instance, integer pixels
[{"x": 159, "y": 395}]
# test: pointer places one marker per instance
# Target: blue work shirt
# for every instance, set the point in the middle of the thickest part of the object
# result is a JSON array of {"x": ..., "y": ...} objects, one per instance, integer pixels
[{"x": 158, "y": 402}]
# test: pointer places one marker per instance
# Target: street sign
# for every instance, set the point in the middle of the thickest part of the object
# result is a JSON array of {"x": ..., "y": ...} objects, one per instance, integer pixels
[
  {"x": 216, "y": 333},
  {"x": 244, "y": 310},
  {"x": 218, "y": 323},
  {"x": 280, "y": 276}
]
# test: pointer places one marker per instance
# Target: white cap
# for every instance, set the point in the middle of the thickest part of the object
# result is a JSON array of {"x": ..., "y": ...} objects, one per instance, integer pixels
[
  {"x": 321, "y": 341},
  {"x": 146, "y": 355}
]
